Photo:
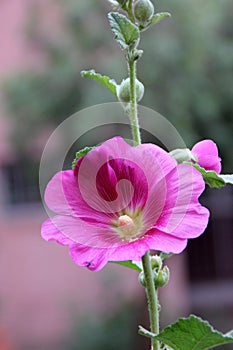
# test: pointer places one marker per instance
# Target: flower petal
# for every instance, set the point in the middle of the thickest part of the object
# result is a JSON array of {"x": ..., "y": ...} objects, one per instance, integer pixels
[
  {"x": 209, "y": 162},
  {"x": 92, "y": 258},
  {"x": 136, "y": 168},
  {"x": 166, "y": 243},
  {"x": 206, "y": 152},
  {"x": 95, "y": 258},
  {"x": 62, "y": 196},
  {"x": 183, "y": 216},
  {"x": 205, "y": 147},
  {"x": 81, "y": 232},
  {"x": 50, "y": 233}
]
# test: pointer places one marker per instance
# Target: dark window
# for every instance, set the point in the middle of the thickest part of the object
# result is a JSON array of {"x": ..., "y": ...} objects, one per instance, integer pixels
[
  {"x": 21, "y": 182},
  {"x": 210, "y": 256}
]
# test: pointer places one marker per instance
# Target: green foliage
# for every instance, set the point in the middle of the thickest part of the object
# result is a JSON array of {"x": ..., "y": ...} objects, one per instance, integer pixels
[
  {"x": 107, "y": 82},
  {"x": 187, "y": 67},
  {"x": 156, "y": 19},
  {"x": 126, "y": 33},
  {"x": 210, "y": 177},
  {"x": 80, "y": 154},
  {"x": 190, "y": 334},
  {"x": 134, "y": 265},
  {"x": 159, "y": 17},
  {"x": 114, "y": 332},
  {"x": 188, "y": 71}
]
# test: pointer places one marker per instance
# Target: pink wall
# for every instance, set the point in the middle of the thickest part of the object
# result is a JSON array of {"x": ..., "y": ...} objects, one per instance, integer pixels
[
  {"x": 40, "y": 286},
  {"x": 41, "y": 289}
]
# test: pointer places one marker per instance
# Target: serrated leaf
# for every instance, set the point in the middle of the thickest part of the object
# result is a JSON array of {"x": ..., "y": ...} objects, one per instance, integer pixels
[
  {"x": 227, "y": 178},
  {"x": 126, "y": 33},
  {"x": 80, "y": 154},
  {"x": 190, "y": 334},
  {"x": 109, "y": 83},
  {"x": 131, "y": 264},
  {"x": 210, "y": 177}
]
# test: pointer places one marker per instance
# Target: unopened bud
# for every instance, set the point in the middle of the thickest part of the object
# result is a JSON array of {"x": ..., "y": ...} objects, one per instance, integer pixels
[
  {"x": 162, "y": 277},
  {"x": 141, "y": 279},
  {"x": 183, "y": 155},
  {"x": 156, "y": 262},
  {"x": 143, "y": 10},
  {"x": 123, "y": 90}
]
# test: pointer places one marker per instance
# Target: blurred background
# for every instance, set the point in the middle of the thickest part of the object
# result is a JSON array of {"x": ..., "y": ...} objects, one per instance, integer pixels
[{"x": 46, "y": 301}]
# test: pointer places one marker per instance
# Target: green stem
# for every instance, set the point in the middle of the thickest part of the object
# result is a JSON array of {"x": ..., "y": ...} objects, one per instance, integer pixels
[
  {"x": 133, "y": 102},
  {"x": 152, "y": 295},
  {"x": 152, "y": 292},
  {"x": 130, "y": 11}
]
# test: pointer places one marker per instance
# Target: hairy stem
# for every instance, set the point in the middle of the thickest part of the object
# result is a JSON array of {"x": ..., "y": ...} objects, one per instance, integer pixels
[
  {"x": 130, "y": 11},
  {"x": 152, "y": 292},
  {"x": 152, "y": 296},
  {"x": 133, "y": 103}
]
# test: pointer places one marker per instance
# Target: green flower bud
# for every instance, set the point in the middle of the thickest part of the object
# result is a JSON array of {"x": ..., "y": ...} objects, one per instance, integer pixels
[
  {"x": 123, "y": 90},
  {"x": 156, "y": 262},
  {"x": 143, "y": 10},
  {"x": 141, "y": 279},
  {"x": 162, "y": 277},
  {"x": 183, "y": 155}
]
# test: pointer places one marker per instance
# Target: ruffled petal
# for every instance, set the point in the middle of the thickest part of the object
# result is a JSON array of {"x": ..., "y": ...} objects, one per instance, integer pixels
[
  {"x": 96, "y": 258},
  {"x": 92, "y": 258},
  {"x": 183, "y": 216},
  {"x": 63, "y": 196},
  {"x": 158, "y": 240},
  {"x": 163, "y": 158},
  {"x": 81, "y": 232},
  {"x": 50, "y": 233}
]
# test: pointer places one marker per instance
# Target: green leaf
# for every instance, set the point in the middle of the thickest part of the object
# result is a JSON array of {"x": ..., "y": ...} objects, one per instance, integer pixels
[
  {"x": 131, "y": 264},
  {"x": 159, "y": 17},
  {"x": 227, "y": 178},
  {"x": 109, "y": 83},
  {"x": 80, "y": 154},
  {"x": 156, "y": 19},
  {"x": 190, "y": 334},
  {"x": 210, "y": 177},
  {"x": 126, "y": 33}
]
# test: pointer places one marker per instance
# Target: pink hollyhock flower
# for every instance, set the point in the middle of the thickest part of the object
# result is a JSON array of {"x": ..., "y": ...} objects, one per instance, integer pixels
[
  {"x": 206, "y": 152},
  {"x": 121, "y": 201}
]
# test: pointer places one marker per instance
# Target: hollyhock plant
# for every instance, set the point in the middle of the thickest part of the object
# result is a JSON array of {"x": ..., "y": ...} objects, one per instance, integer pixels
[
  {"x": 119, "y": 201},
  {"x": 139, "y": 200},
  {"x": 206, "y": 153}
]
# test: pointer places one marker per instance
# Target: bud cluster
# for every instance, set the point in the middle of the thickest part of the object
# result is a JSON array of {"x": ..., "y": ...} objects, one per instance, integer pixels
[{"x": 160, "y": 274}]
